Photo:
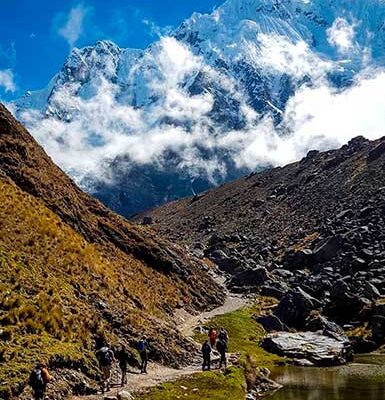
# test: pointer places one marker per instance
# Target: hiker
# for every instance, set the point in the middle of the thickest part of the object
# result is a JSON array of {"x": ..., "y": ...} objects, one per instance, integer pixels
[
  {"x": 143, "y": 352},
  {"x": 223, "y": 335},
  {"x": 123, "y": 357},
  {"x": 222, "y": 349},
  {"x": 106, "y": 358},
  {"x": 212, "y": 337},
  {"x": 39, "y": 379},
  {"x": 206, "y": 353}
]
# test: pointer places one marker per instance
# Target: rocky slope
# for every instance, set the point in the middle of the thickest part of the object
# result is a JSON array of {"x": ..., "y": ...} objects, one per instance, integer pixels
[
  {"x": 73, "y": 272},
  {"x": 310, "y": 234},
  {"x": 206, "y": 85}
]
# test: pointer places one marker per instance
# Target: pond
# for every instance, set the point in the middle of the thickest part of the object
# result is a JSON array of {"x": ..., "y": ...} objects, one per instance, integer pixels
[{"x": 364, "y": 379}]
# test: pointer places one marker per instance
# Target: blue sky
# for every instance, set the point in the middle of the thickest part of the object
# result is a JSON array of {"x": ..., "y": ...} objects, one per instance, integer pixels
[{"x": 36, "y": 35}]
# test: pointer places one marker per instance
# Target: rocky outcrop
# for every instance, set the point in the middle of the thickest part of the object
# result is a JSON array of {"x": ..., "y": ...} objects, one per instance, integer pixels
[
  {"x": 295, "y": 307},
  {"x": 316, "y": 348},
  {"x": 316, "y": 224}
]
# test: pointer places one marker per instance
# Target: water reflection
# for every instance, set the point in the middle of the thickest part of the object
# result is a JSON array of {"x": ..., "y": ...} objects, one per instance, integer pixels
[{"x": 362, "y": 380}]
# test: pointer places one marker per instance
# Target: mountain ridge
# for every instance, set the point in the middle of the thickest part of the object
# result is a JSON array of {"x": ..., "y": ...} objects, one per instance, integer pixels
[{"x": 201, "y": 99}]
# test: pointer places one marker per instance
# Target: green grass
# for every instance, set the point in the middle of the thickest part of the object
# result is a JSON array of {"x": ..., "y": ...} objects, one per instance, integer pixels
[
  {"x": 245, "y": 334},
  {"x": 207, "y": 385}
]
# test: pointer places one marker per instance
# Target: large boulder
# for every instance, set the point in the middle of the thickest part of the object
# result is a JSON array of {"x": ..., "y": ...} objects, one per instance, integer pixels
[
  {"x": 250, "y": 277},
  {"x": 226, "y": 263},
  {"x": 293, "y": 260},
  {"x": 320, "y": 350},
  {"x": 271, "y": 323},
  {"x": 295, "y": 307},
  {"x": 318, "y": 323},
  {"x": 327, "y": 249}
]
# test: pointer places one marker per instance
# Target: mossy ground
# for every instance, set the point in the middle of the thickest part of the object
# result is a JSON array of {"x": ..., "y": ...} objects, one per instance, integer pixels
[{"x": 245, "y": 334}]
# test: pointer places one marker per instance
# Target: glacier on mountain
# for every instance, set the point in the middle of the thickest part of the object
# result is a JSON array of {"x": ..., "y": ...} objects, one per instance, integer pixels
[{"x": 224, "y": 93}]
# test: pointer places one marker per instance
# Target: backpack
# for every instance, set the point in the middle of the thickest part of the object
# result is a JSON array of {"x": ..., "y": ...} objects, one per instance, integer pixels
[
  {"x": 223, "y": 336},
  {"x": 206, "y": 348},
  {"x": 105, "y": 357},
  {"x": 142, "y": 345},
  {"x": 36, "y": 380}
]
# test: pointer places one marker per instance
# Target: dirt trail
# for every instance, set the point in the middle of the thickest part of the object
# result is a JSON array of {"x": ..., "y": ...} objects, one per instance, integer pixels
[{"x": 157, "y": 373}]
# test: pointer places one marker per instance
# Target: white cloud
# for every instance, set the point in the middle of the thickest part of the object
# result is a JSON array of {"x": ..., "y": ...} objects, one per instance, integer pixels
[
  {"x": 341, "y": 35},
  {"x": 316, "y": 117},
  {"x": 7, "y": 80},
  {"x": 277, "y": 54},
  {"x": 73, "y": 26}
]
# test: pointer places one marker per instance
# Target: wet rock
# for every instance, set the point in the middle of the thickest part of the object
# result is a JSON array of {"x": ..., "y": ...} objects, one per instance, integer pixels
[
  {"x": 302, "y": 363},
  {"x": 319, "y": 349}
]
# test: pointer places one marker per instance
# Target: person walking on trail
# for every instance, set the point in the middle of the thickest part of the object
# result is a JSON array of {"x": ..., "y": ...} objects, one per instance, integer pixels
[
  {"x": 123, "y": 357},
  {"x": 223, "y": 335},
  {"x": 143, "y": 353},
  {"x": 106, "y": 358},
  {"x": 222, "y": 349},
  {"x": 206, "y": 353},
  {"x": 212, "y": 337},
  {"x": 39, "y": 380}
]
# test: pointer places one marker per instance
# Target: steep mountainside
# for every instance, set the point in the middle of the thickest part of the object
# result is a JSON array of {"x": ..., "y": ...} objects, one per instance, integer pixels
[
  {"x": 196, "y": 99},
  {"x": 73, "y": 272},
  {"x": 316, "y": 224}
]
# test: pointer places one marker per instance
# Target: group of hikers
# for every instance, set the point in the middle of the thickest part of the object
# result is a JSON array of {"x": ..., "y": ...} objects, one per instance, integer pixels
[
  {"x": 40, "y": 377},
  {"x": 216, "y": 340},
  {"x": 106, "y": 357}
]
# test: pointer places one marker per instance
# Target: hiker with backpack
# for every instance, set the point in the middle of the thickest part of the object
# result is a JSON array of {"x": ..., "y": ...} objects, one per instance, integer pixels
[
  {"x": 106, "y": 358},
  {"x": 143, "y": 353},
  {"x": 223, "y": 335},
  {"x": 222, "y": 349},
  {"x": 39, "y": 380},
  {"x": 123, "y": 357},
  {"x": 206, "y": 353}
]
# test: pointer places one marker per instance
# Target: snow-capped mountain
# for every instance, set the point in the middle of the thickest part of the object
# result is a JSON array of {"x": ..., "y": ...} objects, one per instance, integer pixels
[{"x": 204, "y": 104}]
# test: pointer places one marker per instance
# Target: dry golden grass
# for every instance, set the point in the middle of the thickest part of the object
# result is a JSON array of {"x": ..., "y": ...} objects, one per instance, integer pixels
[{"x": 57, "y": 291}]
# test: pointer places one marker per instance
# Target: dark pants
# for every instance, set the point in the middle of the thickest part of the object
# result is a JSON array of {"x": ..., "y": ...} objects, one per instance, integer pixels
[
  {"x": 223, "y": 360},
  {"x": 144, "y": 361},
  {"x": 38, "y": 394},
  {"x": 123, "y": 370},
  {"x": 206, "y": 362}
]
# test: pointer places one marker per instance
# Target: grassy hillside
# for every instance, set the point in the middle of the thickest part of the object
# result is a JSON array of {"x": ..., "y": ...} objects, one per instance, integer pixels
[{"x": 72, "y": 272}]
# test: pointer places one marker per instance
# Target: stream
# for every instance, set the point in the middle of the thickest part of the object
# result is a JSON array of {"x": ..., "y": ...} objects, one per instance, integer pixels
[{"x": 364, "y": 379}]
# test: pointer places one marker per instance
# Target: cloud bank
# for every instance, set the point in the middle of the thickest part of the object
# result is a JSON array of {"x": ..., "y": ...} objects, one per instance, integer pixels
[{"x": 317, "y": 116}]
